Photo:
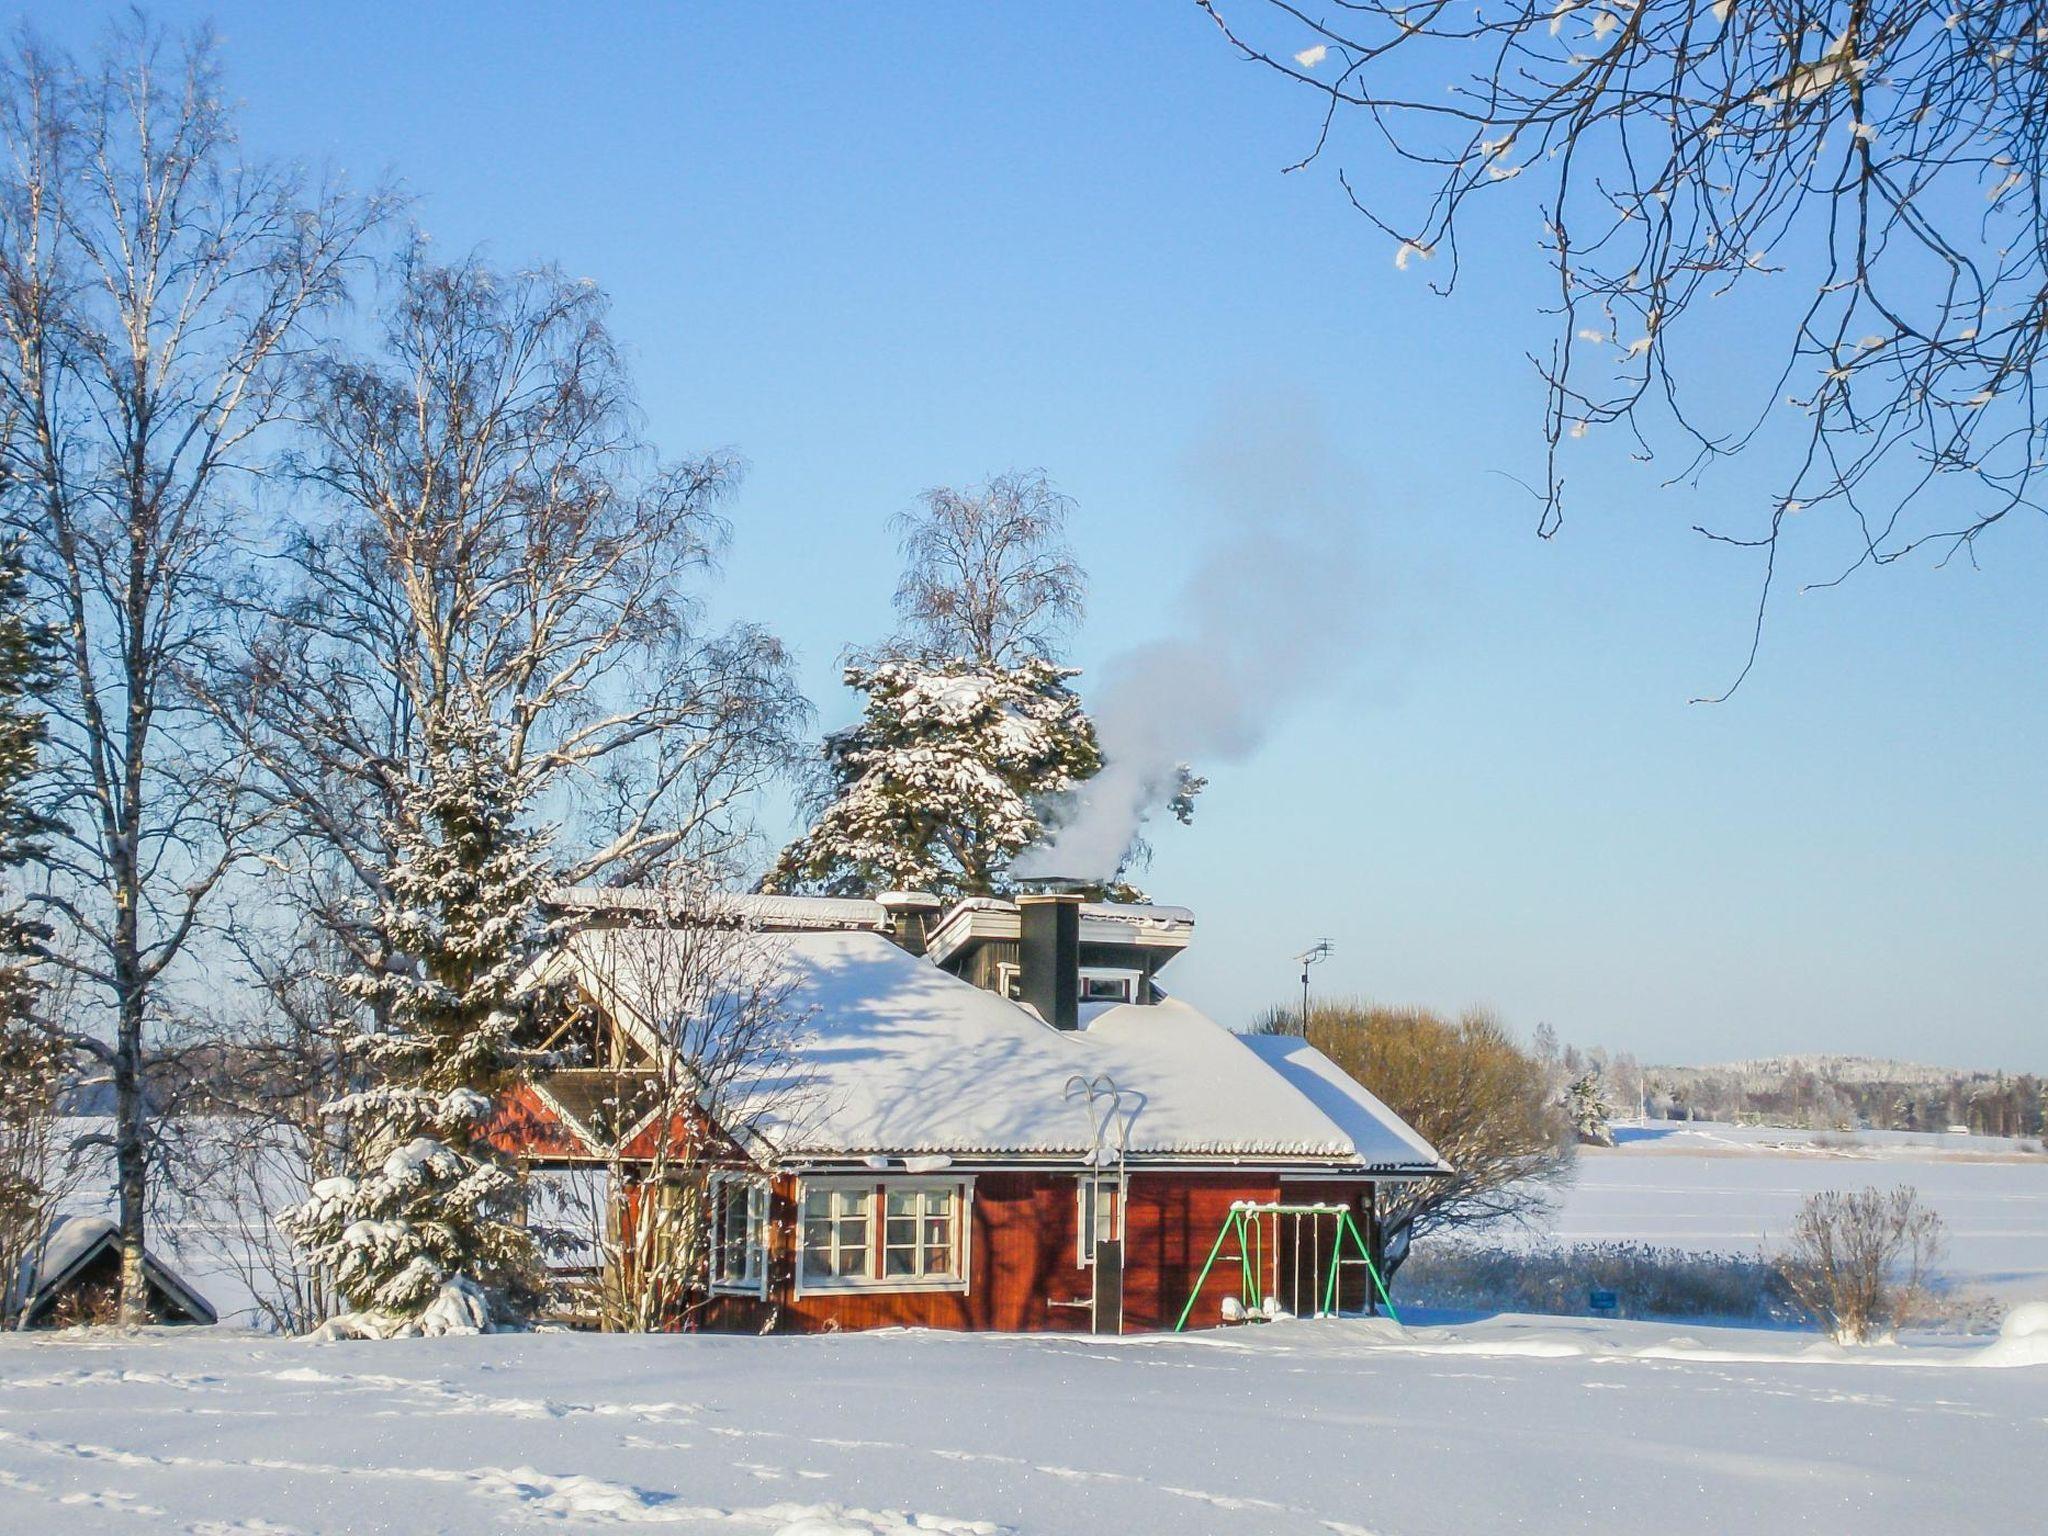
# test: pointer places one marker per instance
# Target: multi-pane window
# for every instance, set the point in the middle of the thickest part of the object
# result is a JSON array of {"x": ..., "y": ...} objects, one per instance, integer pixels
[
  {"x": 836, "y": 1221},
  {"x": 739, "y": 1219},
  {"x": 1098, "y": 1218},
  {"x": 918, "y": 1233},
  {"x": 889, "y": 1234}
]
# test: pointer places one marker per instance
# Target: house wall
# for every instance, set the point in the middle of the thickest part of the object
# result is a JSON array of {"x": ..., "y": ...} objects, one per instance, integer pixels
[
  {"x": 1023, "y": 1235},
  {"x": 1023, "y": 1264}
]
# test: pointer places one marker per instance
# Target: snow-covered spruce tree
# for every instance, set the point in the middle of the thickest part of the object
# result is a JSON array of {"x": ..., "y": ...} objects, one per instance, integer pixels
[
  {"x": 426, "y": 1234},
  {"x": 939, "y": 784},
  {"x": 1585, "y": 1102},
  {"x": 31, "y": 1057}
]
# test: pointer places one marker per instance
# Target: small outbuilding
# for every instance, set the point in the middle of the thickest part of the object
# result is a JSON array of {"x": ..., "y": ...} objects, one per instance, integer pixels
[{"x": 77, "y": 1279}]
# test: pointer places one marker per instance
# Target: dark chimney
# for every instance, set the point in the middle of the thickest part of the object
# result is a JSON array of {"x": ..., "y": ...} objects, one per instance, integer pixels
[{"x": 1050, "y": 955}]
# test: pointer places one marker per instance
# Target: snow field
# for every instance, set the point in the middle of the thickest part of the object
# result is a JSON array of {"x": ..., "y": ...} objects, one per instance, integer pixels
[
  {"x": 1728, "y": 1189},
  {"x": 1355, "y": 1428}
]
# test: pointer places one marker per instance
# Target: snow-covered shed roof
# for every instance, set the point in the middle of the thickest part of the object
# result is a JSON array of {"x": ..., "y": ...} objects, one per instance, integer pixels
[
  {"x": 900, "y": 1058},
  {"x": 72, "y": 1246}
]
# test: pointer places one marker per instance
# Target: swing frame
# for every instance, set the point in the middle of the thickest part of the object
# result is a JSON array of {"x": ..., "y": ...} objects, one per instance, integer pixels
[{"x": 1253, "y": 1223}]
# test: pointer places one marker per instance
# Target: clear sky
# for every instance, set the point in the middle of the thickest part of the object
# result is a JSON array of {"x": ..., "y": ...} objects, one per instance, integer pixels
[{"x": 879, "y": 248}]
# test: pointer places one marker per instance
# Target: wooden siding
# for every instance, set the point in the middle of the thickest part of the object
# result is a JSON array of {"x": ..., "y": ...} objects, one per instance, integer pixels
[
  {"x": 1023, "y": 1275},
  {"x": 1022, "y": 1238}
]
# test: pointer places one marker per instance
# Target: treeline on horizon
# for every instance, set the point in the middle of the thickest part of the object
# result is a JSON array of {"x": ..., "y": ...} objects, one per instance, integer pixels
[{"x": 1986, "y": 1103}]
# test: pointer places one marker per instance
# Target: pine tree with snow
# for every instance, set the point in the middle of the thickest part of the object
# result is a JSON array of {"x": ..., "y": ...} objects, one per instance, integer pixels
[
  {"x": 1586, "y": 1104},
  {"x": 426, "y": 1234},
  {"x": 941, "y": 782}
]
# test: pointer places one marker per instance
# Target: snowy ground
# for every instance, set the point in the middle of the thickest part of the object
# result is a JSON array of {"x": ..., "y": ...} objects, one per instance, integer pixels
[
  {"x": 1733, "y": 1189},
  {"x": 1459, "y": 1430}
]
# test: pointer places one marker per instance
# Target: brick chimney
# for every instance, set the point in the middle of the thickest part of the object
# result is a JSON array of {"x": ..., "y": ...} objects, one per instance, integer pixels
[{"x": 1049, "y": 955}]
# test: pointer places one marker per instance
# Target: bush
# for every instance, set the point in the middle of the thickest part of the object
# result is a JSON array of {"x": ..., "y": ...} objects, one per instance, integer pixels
[
  {"x": 1859, "y": 1264},
  {"x": 1482, "y": 1101},
  {"x": 1558, "y": 1280}
]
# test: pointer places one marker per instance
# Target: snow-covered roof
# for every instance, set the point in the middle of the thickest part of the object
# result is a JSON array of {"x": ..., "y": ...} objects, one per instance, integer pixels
[
  {"x": 1380, "y": 1135},
  {"x": 900, "y": 1058},
  {"x": 75, "y": 1242},
  {"x": 748, "y": 908}
]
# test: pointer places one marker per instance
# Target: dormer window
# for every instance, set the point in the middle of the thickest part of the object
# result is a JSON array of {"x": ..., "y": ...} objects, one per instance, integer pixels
[{"x": 1109, "y": 986}]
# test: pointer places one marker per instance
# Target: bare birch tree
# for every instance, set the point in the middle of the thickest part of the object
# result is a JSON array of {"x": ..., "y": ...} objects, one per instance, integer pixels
[
  {"x": 679, "y": 1052},
  {"x": 156, "y": 289},
  {"x": 1852, "y": 188},
  {"x": 490, "y": 523},
  {"x": 988, "y": 576}
]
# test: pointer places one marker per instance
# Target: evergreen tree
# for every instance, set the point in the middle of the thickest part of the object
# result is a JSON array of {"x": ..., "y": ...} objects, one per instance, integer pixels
[
  {"x": 31, "y": 1059},
  {"x": 1586, "y": 1106},
  {"x": 971, "y": 730},
  {"x": 427, "y": 1233},
  {"x": 940, "y": 784}
]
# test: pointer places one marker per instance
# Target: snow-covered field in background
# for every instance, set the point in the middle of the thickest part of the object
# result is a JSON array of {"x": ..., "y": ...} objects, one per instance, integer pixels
[
  {"x": 1452, "y": 1430},
  {"x": 1734, "y": 1189}
]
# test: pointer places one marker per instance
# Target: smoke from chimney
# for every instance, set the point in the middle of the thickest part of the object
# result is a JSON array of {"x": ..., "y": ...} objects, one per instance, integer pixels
[{"x": 1270, "y": 616}]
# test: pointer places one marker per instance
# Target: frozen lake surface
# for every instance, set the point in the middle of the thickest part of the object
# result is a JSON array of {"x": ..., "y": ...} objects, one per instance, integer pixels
[
  {"x": 1508, "y": 1425},
  {"x": 1735, "y": 1189}
]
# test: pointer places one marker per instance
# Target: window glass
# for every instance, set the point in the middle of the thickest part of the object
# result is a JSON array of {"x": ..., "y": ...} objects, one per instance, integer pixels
[
  {"x": 918, "y": 1234},
  {"x": 1105, "y": 989},
  {"x": 836, "y": 1233},
  {"x": 740, "y": 1213}
]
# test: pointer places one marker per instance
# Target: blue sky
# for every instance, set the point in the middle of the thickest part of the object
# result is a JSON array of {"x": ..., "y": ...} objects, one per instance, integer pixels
[{"x": 879, "y": 248}]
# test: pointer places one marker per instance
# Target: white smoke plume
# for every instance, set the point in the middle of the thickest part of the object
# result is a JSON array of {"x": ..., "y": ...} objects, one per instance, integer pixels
[{"x": 1271, "y": 616}]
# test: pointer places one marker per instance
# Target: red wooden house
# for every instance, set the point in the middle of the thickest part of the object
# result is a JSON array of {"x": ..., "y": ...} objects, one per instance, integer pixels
[{"x": 1003, "y": 1121}]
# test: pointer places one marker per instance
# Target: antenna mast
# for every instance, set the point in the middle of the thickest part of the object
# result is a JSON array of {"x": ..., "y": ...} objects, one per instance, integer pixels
[{"x": 1315, "y": 954}]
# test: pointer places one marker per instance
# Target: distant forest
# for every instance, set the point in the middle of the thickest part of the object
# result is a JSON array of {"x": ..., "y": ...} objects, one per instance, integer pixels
[{"x": 1812, "y": 1092}]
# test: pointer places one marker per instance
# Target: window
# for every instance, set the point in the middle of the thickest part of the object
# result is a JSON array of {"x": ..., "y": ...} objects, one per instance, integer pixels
[
  {"x": 836, "y": 1234},
  {"x": 889, "y": 1234},
  {"x": 576, "y": 1204},
  {"x": 918, "y": 1234},
  {"x": 739, "y": 1216},
  {"x": 1109, "y": 986},
  {"x": 1010, "y": 982},
  {"x": 1100, "y": 1220}
]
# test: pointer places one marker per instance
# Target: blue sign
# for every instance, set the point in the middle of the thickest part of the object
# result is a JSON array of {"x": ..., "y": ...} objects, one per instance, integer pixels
[{"x": 1603, "y": 1301}]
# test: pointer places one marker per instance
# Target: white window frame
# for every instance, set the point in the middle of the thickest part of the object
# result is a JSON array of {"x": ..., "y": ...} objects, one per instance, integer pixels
[
  {"x": 754, "y": 1280},
  {"x": 921, "y": 1194},
  {"x": 1088, "y": 1212},
  {"x": 1010, "y": 974},
  {"x": 1132, "y": 980},
  {"x": 876, "y": 1280}
]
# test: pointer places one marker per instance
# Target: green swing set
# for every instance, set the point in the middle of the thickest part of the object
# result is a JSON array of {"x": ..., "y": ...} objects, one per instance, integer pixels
[{"x": 1256, "y": 1228}]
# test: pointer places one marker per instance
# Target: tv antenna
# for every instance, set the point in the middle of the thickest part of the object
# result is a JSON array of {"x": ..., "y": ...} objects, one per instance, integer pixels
[{"x": 1315, "y": 954}]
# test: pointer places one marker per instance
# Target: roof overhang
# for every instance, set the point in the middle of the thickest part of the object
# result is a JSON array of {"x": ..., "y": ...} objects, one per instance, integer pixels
[{"x": 986, "y": 918}]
